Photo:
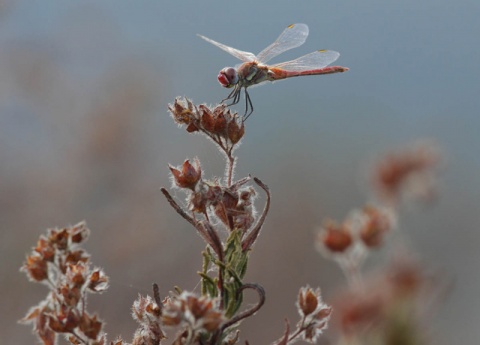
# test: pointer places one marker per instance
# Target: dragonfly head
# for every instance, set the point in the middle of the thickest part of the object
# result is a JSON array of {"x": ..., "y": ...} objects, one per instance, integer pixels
[{"x": 228, "y": 77}]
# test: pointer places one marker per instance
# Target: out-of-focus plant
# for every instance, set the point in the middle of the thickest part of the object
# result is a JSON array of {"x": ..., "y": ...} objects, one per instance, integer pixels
[{"x": 388, "y": 306}]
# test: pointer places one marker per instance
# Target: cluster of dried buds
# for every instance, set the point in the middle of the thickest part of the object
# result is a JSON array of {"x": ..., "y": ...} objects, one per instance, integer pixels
[
  {"x": 218, "y": 123},
  {"x": 196, "y": 317},
  {"x": 232, "y": 205},
  {"x": 410, "y": 173},
  {"x": 362, "y": 230},
  {"x": 58, "y": 262},
  {"x": 196, "y": 314}
]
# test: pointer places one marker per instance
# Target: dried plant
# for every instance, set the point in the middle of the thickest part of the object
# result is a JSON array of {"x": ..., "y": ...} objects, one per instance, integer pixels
[{"x": 222, "y": 211}]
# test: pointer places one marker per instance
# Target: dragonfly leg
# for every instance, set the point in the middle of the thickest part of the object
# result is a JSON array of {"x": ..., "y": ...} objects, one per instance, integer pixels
[
  {"x": 248, "y": 103},
  {"x": 231, "y": 94},
  {"x": 235, "y": 94}
]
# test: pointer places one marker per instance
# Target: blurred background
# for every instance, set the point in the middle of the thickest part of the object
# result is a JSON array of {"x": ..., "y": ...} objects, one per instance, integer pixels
[{"x": 85, "y": 135}]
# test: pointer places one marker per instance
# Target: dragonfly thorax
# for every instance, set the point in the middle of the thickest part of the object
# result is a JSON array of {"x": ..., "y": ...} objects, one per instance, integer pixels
[{"x": 228, "y": 77}]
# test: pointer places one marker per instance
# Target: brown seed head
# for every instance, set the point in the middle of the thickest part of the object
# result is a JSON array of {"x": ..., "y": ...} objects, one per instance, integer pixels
[
  {"x": 36, "y": 267},
  {"x": 97, "y": 281},
  {"x": 79, "y": 233},
  {"x": 220, "y": 124},
  {"x": 377, "y": 223},
  {"x": 307, "y": 300},
  {"x": 65, "y": 320},
  {"x": 207, "y": 118},
  {"x": 234, "y": 131},
  {"x": 335, "y": 238},
  {"x": 189, "y": 176},
  {"x": 90, "y": 326},
  {"x": 45, "y": 249},
  {"x": 59, "y": 238}
]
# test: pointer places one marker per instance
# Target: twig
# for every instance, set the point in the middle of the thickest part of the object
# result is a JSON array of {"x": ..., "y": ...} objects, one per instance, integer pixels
[{"x": 252, "y": 236}]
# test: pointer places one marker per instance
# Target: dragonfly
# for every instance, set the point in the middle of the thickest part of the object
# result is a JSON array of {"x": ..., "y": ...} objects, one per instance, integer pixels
[{"x": 254, "y": 69}]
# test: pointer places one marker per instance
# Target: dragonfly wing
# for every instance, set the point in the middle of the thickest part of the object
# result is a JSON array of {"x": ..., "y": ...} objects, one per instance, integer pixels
[
  {"x": 293, "y": 36},
  {"x": 315, "y": 60},
  {"x": 239, "y": 54}
]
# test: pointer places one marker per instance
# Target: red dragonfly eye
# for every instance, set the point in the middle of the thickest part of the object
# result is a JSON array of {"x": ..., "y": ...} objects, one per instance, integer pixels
[{"x": 228, "y": 77}]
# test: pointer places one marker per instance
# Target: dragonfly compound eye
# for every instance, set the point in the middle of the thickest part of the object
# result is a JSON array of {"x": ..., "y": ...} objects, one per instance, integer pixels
[{"x": 228, "y": 77}]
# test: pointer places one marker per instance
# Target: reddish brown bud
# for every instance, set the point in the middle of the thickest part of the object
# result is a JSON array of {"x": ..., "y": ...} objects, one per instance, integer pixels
[
  {"x": 307, "y": 301},
  {"x": 59, "y": 238},
  {"x": 230, "y": 200},
  {"x": 234, "y": 131},
  {"x": 76, "y": 274},
  {"x": 407, "y": 172},
  {"x": 79, "y": 233},
  {"x": 220, "y": 124},
  {"x": 76, "y": 256},
  {"x": 45, "y": 249},
  {"x": 36, "y": 267},
  {"x": 90, "y": 326},
  {"x": 336, "y": 238},
  {"x": 71, "y": 295},
  {"x": 98, "y": 281},
  {"x": 189, "y": 176},
  {"x": 323, "y": 313},
  {"x": 65, "y": 320},
  {"x": 184, "y": 114},
  {"x": 406, "y": 278},
  {"x": 207, "y": 119},
  {"x": 377, "y": 224},
  {"x": 198, "y": 202},
  {"x": 192, "y": 128},
  {"x": 212, "y": 320}
]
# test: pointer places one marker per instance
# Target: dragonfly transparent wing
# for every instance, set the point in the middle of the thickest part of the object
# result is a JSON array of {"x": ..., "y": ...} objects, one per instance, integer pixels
[
  {"x": 315, "y": 60},
  {"x": 239, "y": 54},
  {"x": 293, "y": 36}
]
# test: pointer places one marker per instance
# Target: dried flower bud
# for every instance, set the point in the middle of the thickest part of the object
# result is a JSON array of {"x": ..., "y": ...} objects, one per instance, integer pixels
[
  {"x": 199, "y": 313},
  {"x": 71, "y": 294},
  {"x": 192, "y": 128},
  {"x": 207, "y": 119},
  {"x": 76, "y": 256},
  {"x": 376, "y": 224},
  {"x": 98, "y": 281},
  {"x": 335, "y": 238},
  {"x": 181, "y": 113},
  {"x": 145, "y": 310},
  {"x": 220, "y": 124},
  {"x": 307, "y": 300},
  {"x": 90, "y": 326},
  {"x": 65, "y": 320},
  {"x": 45, "y": 249},
  {"x": 36, "y": 267},
  {"x": 79, "y": 233},
  {"x": 234, "y": 131},
  {"x": 77, "y": 274},
  {"x": 189, "y": 176},
  {"x": 172, "y": 312},
  {"x": 405, "y": 278},
  {"x": 314, "y": 313},
  {"x": 59, "y": 238},
  {"x": 359, "y": 312},
  {"x": 407, "y": 172}
]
